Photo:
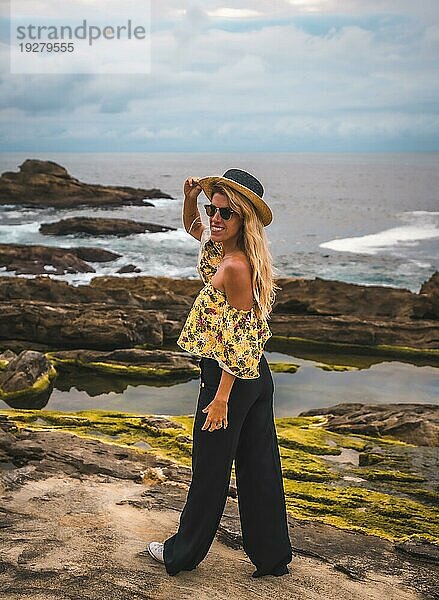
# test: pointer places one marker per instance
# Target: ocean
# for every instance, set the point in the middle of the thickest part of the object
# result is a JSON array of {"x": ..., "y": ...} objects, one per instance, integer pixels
[{"x": 370, "y": 219}]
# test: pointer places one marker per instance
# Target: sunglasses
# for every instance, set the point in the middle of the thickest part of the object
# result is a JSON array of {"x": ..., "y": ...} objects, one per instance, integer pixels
[{"x": 225, "y": 212}]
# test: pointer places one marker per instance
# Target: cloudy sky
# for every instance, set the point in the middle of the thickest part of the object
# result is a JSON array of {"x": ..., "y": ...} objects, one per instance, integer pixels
[{"x": 262, "y": 75}]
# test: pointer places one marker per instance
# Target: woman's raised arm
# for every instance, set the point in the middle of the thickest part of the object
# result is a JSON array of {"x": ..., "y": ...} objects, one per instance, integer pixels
[{"x": 191, "y": 215}]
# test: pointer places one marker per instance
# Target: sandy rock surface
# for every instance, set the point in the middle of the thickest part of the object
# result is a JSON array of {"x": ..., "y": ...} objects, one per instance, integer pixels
[{"x": 76, "y": 515}]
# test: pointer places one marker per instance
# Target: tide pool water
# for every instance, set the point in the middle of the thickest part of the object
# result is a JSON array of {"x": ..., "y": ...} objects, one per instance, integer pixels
[{"x": 310, "y": 387}]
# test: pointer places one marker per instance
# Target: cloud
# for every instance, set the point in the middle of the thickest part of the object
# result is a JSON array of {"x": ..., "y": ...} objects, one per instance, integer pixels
[
  {"x": 312, "y": 5},
  {"x": 234, "y": 13}
]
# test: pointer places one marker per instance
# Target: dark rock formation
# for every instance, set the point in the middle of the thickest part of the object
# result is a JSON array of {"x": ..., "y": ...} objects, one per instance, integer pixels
[
  {"x": 129, "y": 269},
  {"x": 82, "y": 326},
  {"x": 28, "y": 374},
  {"x": 352, "y": 322},
  {"x": 355, "y": 325},
  {"x": 32, "y": 259},
  {"x": 159, "y": 364},
  {"x": 317, "y": 297},
  {"x": 146, "y": 286},
  {"x": 430, "y": 294},
  {"x": 412, "y": 423},
  {"x": 330, "y": 297},
  {"x": 42, "y": 183},
  {"x": 6, "y": 357},
  {"x": 356, "y": 331},
  {"x": 99, "y": 226},
  {"x": 155, "y": 293}
]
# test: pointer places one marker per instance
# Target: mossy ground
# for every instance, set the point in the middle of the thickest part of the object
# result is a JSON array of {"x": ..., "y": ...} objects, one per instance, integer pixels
[{"x": 392, "y": 501}]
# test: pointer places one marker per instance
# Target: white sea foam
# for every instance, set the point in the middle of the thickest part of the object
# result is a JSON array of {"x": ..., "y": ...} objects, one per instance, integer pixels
[
  {"x": 422, "y": 264},
  {"x": 423, "y": 225},
  {"x": 19, "y": 234},
  {"x": 18, "y": 214}
]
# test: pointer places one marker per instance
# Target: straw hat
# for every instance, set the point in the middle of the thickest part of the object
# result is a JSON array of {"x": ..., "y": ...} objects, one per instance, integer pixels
[{"x": 245, "y": 183}]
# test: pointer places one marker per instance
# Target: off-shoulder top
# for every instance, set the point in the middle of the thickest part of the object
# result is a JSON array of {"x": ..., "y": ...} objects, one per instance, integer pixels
[{"x": 216, "y": 329}]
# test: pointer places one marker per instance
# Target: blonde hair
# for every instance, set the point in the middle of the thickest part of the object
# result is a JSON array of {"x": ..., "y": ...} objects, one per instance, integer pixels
[{"x": 253, "y": 241}]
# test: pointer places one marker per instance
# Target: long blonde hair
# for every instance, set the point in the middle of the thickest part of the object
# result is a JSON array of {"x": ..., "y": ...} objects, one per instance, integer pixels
[{"x": 253, "y": 241}]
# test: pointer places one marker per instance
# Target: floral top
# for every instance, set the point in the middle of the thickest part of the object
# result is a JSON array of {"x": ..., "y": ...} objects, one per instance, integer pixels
[{"x": 216, "y": 329}]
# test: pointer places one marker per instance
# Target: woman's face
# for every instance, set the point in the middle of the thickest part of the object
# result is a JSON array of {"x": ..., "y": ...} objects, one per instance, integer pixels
[{"x": 222, "y": 230}]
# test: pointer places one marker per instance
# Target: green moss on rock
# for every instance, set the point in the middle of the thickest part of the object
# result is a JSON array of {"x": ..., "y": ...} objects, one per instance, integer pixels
[
  {"x": 422, "y": 494},
  {"x": 283, "y": 367},
  {"x": 137, "y": 371},
  {"x": 302, "y": 466},
  {"x": 371, "y": 458},
  {"x": 359, "y": 509},
  {"x": 307, "y": 434},
  {"x": 40, "y": 385}
]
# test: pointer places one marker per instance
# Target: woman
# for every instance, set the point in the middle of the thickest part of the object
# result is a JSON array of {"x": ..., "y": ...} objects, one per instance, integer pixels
[{"x": 227, "y": 327}]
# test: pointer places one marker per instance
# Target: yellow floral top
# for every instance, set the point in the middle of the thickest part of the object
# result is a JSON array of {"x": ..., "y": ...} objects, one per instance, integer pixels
[{"x": 216, "y": 329}]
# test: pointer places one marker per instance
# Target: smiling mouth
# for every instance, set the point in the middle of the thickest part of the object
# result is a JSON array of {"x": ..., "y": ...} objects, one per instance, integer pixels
[{"x": 215, "y": 228}]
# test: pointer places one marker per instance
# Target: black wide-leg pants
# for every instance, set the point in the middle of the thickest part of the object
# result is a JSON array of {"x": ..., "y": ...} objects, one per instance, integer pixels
[{"x": 249, "y": 439}]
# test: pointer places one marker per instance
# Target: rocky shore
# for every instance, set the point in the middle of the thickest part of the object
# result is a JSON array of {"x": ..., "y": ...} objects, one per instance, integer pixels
[{"x": 33, "y": 259}]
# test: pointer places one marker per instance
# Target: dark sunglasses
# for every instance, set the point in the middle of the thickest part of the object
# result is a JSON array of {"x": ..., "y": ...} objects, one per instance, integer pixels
[{"x": 225, "y": 212}]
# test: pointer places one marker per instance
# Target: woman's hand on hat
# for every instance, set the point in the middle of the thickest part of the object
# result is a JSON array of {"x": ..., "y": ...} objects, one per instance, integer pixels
[{"x": 192, "y": 188}]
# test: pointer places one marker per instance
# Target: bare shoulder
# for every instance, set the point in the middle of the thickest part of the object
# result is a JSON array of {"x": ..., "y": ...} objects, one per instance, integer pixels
[
  {"x": 237, "y": 270},
  {"x": 237, "y": 282}
]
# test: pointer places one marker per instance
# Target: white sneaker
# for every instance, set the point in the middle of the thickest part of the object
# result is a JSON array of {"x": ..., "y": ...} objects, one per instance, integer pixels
[{"x": 155, "y": 549}]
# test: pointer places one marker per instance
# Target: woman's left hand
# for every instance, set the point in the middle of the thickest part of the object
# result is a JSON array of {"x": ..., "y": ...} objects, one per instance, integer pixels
[{"x": 216, "y": 414}]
